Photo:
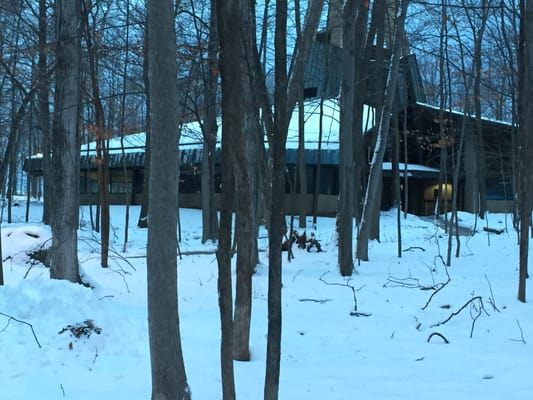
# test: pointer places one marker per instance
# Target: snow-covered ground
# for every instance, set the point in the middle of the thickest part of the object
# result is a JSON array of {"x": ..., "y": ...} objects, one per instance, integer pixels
[{"x": 327, "y": 353}]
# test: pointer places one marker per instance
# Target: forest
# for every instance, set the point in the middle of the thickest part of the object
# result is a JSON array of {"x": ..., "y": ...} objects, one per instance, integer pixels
[{"x": 447, "y": 83}]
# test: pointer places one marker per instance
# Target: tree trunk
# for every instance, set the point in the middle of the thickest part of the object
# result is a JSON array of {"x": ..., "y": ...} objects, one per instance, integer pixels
[
  {"x": 302, "y": 175},
  {"x": 246, "y": 221},
  {"x": 361, "y": 90},
  {"x": 316, "y": 188},
  {"x": 209, "y": 209},
  {"x": 277, "y": 222},
  {"x": 285, "y": 97},
  {"x": 346, "y": 150},
  {"x": 65, "y": 161},
  {"x": 525, "y": 140},
  {"x": 383, "y": 132},
  {"x": 245, "y": 226},
  {"x": 246, "y": 190},
  {"x": 169, "y": 380},
  {"x": 101, "y": 136},
  {"x": 396, "y": 182},
  {"x": 478, "y": 130},
  {"x": 44, "y": 109},
  {"x": 143, "y": 214},
  {"x": 377, "y": 29},
  {"x": 230, "y": 39},
  {"x": 129, "y": 195}
]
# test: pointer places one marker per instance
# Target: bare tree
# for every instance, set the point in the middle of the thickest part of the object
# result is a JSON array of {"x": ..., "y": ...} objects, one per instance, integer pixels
[
  {"x": 525, "y": 140},
  {"x": 278, "y": 138},
  {"x": 65, "y": 160},
  {"x": 44, "y": 106},
  {"x": 383, "y": 132},
  {"x": 169, "y": 380},
  {"x": 230, "y": 38},
  {"x": 249, "y": 139},
  {"x": 123, "y": 126},
  {"x": 143, "y": 214},
  {"x": 209, "y": 130},
  {"x": 346, "y": 141},
  {"x": 98, "y": 129},
  {"x": 285, "y": 97}
]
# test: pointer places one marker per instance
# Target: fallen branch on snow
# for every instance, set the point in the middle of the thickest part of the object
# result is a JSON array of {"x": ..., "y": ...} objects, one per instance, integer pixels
[
  {"x": 438, "y": 288},
  {"x": 521, "y": 334},
  {"x": 347, "y": 284},
  {"x": 476, "y": 309},
  {"x": 11, "y": 318},
  {"x": 439, "y": 335},
  {"x": 321, "y": 301}
]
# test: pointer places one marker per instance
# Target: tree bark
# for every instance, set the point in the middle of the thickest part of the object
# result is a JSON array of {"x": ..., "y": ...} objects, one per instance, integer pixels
[
  {"x": 44, "y": 108},
  {"x": 525, "y": 140},
  {"x": 277, "y": 223},
  {"x": 378, "y": 30},
  {"x": 230, "y": 37},
  {"x": 169, "y": 380},
  {"x": 65, "y": 161},
  {"x": 143, "y": 214},
  {"x": 101, "y": 136},
  {"x": 346, "y": 143},
  {"x": 209, "y": 209},
  {"x": 383, "y": 132},
  {"x": 285, "y": 96},
  {"x": 302, "y": 173},
  {"x": 129, "y": 195}
]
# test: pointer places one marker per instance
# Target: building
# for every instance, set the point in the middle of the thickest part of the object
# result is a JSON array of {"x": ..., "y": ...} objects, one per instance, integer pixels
[{"x": 322, "y": 80}]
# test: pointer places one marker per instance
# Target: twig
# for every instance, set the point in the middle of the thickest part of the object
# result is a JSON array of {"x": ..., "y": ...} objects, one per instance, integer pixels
[
  {"x": 521, "y": 334},
  {"x": 346, "y": 284},
  {"x": 439, "y": 287},
  {"x": 20, "y": 322},
  {"x": 321, "y": 301},
  {"x": 296, "y": 274},
  {"x": 121, "y": 273},
  {"x": 113, "y": 251},
  {"x": 360, "y": 314},
  {"x": 491, "y": 298},
  {"x": 409, "y": 282},
  {"x": 95, "y": 356},
  {"x": 493, "y": 230},
  {"x": 28, "y": 270},
  {"x": 414, "y": 248},
  {"x": 474, "y": 318},
  {"x": 439, "y": 335}
]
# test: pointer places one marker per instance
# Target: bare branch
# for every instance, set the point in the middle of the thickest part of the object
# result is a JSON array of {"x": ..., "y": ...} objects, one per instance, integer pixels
[
  {"x": 439, "y": 287},
  {"x": 347, "y": 284},
  {"x": 439, "y": 335},
  {"x": 11, "y": 318},
  {"x": 521, "y": 334},
  {"x": 492, "y": 302},
  {"x": 476, "y": 306}
]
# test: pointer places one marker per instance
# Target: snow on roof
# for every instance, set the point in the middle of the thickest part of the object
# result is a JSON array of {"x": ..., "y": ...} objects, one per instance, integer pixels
[
  {"x": 330, "y": 124},
  {"x": 387, "y": 166},
  {"x": 132, "y": 142},
  {"x": 191, "y": 135},
  {"x": 461, "y": 113},
  {"x": 191, "y": 132}
]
